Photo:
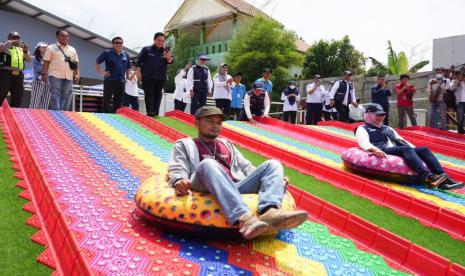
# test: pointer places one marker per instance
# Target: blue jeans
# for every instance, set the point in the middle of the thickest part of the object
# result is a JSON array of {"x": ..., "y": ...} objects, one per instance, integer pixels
[
  {"x": 414, "y": 157},
  {"x": 266, "y": 180},
  {"x": 436, "y": 113},
  {"x": 61, "y": 93},
  {"x": 460, "y": 116}
]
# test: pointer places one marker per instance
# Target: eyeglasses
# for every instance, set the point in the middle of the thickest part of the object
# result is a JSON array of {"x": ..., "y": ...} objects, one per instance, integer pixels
[{"x": 118, "y": 42}]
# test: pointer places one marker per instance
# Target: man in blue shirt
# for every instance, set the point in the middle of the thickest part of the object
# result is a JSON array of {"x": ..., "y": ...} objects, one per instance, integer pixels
[
  {"x": 265, "y": 80},
  {"x": 116, "y": 69},
  {"x": 380, "y": 94},
  {"x": 237, "y": 95},
  {"x": 151, "y": 67}
]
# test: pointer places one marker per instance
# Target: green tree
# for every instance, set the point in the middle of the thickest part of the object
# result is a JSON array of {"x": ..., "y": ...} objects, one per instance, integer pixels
[
  {"x": 331, "y": 58},
  {"x": 181, "y": 57},
  {"x": 397, "y": 64},
  {"x": 263, "y": 43}
]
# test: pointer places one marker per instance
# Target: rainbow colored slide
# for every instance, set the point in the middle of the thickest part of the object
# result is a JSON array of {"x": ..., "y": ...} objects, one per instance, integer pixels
[{"x": 80, "y": 172}]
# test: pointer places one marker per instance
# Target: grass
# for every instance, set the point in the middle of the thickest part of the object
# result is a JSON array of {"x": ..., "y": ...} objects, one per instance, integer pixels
[
  {"x": 435, "y": 240},
  {"x": 17, "y": 252}
]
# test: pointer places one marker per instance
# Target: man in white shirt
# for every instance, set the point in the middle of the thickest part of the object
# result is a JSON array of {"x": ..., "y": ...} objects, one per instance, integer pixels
[
  {"x": 437, "y": 107},
  {"x": 199, "y": 83},
  {"x": 58, "y": 63},
  {"x": 380, "y": 140},
  {"x": 343, "y": 94},
  {"x": 256, "y": 103},
  {"x": 315, "y": 96},
  {"x": 457, "y": 85}
]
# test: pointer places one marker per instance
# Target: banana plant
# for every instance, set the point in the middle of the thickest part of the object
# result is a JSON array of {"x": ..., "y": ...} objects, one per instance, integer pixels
[{"x": 397, "y": 63}]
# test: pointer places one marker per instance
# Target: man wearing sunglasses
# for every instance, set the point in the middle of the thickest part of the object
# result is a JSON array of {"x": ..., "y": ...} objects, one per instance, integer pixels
[{"x": 117, "y": 69}]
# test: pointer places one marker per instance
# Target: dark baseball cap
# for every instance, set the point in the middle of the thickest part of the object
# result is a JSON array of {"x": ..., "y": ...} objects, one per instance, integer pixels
[
  {"x": 203, "y": 56},
  {"x": 209, "y": 111},
  {"x": 266, "y": 70},
  {"x": 14, "y": 34},
  {"x": 375, "y": 108},
  {"x": 258, "y": 85},
  {"x": 347, "y": 73}
]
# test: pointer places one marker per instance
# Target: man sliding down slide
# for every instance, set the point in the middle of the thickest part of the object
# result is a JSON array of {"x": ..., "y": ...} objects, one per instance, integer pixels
[{"x": 213, "y": 165}]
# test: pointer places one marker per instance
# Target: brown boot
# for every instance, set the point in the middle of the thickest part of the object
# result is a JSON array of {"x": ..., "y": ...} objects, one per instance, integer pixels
[
  {"x": 283, "y": 220},
  {"x": 250, "y": 227}
]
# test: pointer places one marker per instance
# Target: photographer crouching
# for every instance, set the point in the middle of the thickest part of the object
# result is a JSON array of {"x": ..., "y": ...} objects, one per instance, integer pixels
[{"x": 13, "y": 55}]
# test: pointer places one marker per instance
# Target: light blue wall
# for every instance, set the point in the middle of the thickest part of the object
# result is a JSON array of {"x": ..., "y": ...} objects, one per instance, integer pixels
[{"x": 33, "y": 31}]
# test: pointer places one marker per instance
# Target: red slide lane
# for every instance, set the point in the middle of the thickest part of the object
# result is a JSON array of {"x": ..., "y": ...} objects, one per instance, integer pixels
[
  {"x": 438, "y": 145},
  {"x": 397, "y": 249},
  {"x": 453, "y": 172},
  {"x": 438, "y": 133},
  {"x": 427, "y": 213},
  {"x": 63, "y": 252}
]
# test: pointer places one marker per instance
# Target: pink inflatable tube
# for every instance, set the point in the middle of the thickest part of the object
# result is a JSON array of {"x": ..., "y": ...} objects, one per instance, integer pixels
[{"x": 391, "y": 168}]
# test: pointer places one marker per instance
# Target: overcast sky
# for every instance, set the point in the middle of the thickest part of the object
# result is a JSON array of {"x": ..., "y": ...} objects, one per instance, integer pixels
[{"x": 411, "y": 25}]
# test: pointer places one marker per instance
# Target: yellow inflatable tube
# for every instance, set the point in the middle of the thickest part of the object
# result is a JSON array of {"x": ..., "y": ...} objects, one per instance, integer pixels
[{"x": 195, "y": 212}]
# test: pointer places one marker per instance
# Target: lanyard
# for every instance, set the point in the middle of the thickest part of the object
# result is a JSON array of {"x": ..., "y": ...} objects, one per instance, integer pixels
[{"x": 208, "y": 148}]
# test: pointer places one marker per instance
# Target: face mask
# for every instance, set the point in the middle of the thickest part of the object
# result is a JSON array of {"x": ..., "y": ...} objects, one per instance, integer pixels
[
  {"x": 439, "y": 76},
  {"x": 292, "y": 86}
]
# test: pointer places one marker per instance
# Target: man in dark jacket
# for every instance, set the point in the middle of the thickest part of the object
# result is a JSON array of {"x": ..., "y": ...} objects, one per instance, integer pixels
[
  {"x": 152, "y": 64},
  {"x": 342, "y": 95},
  {"x": 380, "y": 94}
]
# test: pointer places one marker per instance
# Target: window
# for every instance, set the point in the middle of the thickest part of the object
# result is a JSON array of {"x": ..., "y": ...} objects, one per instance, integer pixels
[
  {"x": 206, "y": 50},
  {"x": 226, "y": 47},
  {"x": 219, "y": 48},
  {"x": 213, "y": 50}
]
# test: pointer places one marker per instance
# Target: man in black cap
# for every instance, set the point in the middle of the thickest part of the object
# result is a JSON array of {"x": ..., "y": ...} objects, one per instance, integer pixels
[
  {"x": 256, "y": 103},
  {"x": 209, "y": 164},
  {"x": 380, "y": 140},
  {"x": 13, "y": 55},
  {"x": 199, "y": 83},
  {"x": 265, "y": 80},
  {"x": 151, "y": 67},
  {"x": 342, "y": 94}
]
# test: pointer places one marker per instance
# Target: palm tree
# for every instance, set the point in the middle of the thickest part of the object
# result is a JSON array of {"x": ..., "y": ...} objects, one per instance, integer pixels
[{"x": 397, "y": 63}]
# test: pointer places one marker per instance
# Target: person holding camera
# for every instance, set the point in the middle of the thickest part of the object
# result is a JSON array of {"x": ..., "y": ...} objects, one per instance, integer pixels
[
  {"x": 457, "y": 86},
  {"x": 61, "y": 66},
  {"x": 437, "y": 107},
  {"x": 380, "y": 94},
  {"x": 151, "y": 67},
  {"x": 405, "y": 92},
  {"x": 13, "y": 55}
]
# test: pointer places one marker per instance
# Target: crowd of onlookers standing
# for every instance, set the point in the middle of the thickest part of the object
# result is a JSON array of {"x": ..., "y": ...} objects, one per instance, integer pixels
[{"x": 56, "y": 66}]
